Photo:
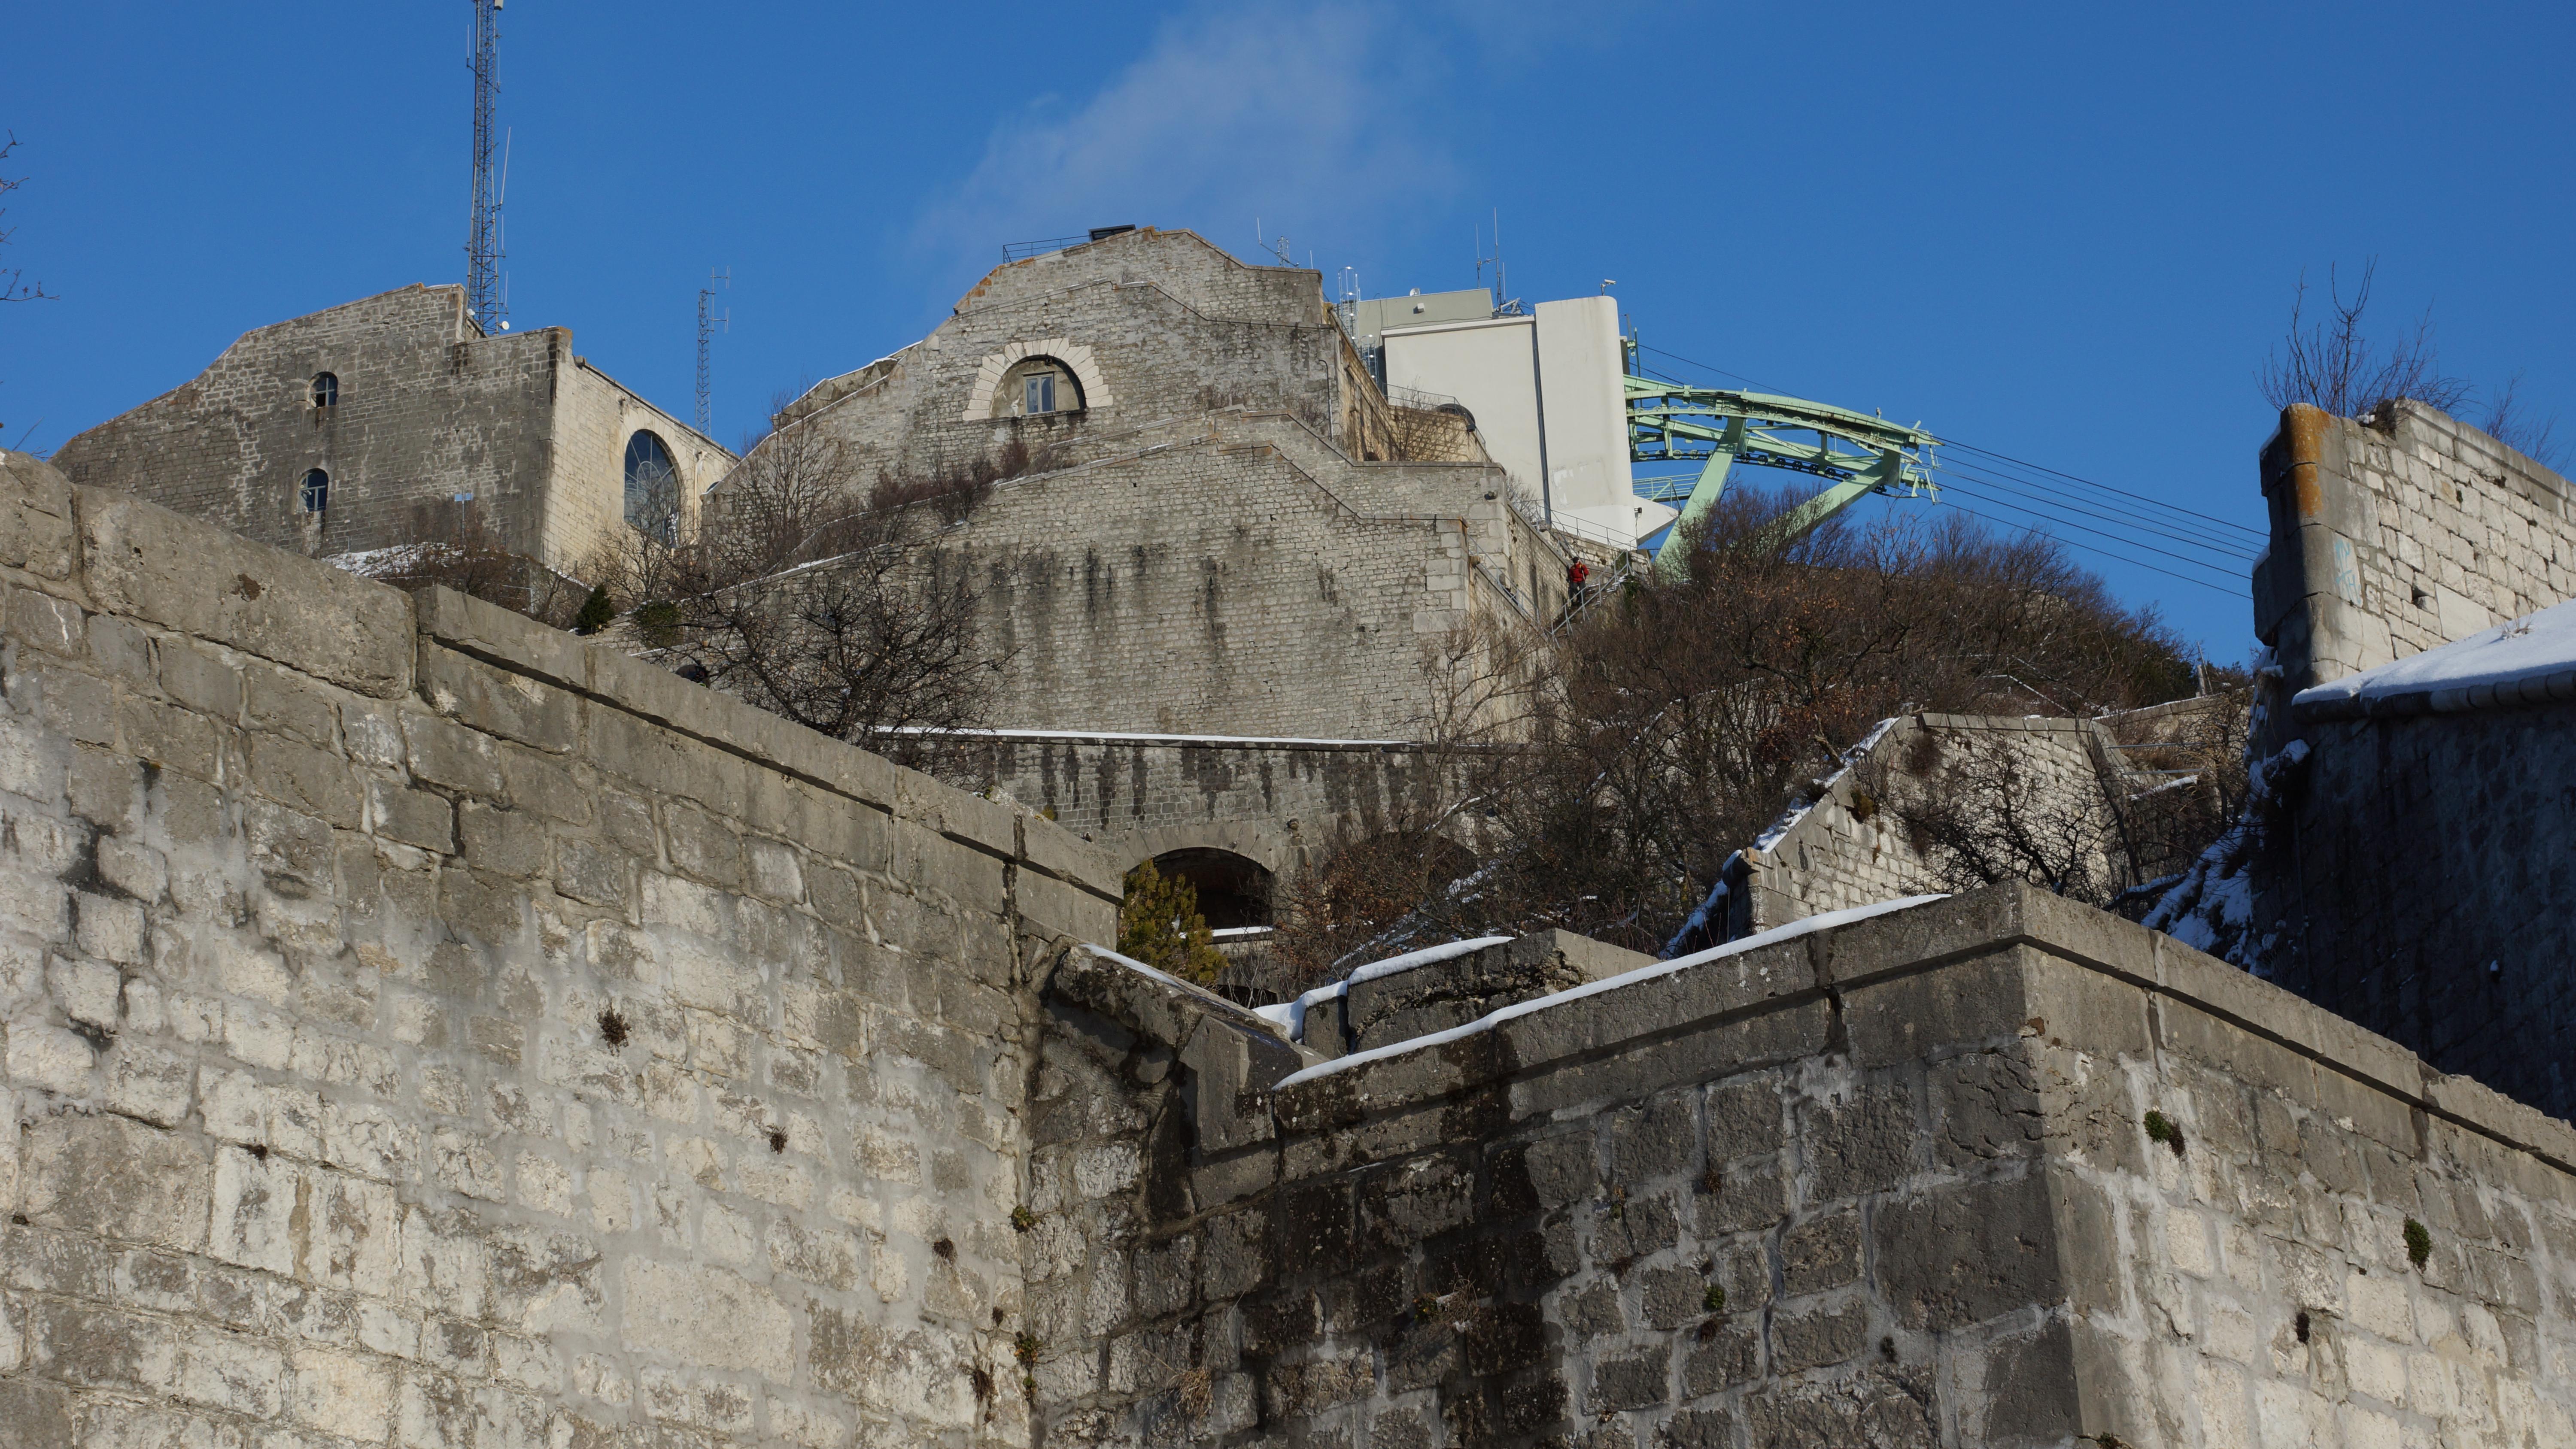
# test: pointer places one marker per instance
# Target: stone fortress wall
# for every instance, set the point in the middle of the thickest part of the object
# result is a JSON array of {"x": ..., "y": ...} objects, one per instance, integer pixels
[
  {"x": 428, "y": 409},
  {"x": 1842, "y": 848},
  {"x": 1991, "y": 1171},
  {"x": 2419, "y": 874},
  {"x": 2392, "y": 536},
  {"x": 421, "y": 1028},
  {"x": 1220, "y": 542}
]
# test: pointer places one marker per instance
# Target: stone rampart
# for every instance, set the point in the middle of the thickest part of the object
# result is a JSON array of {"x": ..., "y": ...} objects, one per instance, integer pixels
[
  {"x": 423, "y": 1029},
  {"x": 1993, "y": 1171},
  {"x": 2392, "y": 536},
  {"x": 2457, "y": 943},
  {"x": 1277, "y": 803},
  {"x": 428, "y": 410},
  {"x": 1845, "y": 847}
]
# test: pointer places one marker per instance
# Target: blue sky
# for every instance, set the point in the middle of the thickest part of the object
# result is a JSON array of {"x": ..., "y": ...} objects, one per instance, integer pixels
[{"x": 2067, "y": 234}]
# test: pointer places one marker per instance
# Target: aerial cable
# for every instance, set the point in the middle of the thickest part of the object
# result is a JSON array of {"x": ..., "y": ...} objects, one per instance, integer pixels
[
  {"x": 2106, "y": 553},
  {"x": 2124, "y": 541},
  {"x": 2143, "y": 524},
  {"x": 2000, "y": 457},
  {"x": 2107, "y": 488}
]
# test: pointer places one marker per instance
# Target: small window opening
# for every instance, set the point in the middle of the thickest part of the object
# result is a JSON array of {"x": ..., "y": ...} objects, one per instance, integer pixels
[
  {"x": 1041, "y": 398},
  {"x": 652, "y": 488},
  {"x": 326, "y": 390},
  {"x": 317, "y": 490}
]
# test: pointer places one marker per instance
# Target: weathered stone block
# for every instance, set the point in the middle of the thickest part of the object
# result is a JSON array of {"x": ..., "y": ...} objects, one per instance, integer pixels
[{"x": 152, "y": 564}]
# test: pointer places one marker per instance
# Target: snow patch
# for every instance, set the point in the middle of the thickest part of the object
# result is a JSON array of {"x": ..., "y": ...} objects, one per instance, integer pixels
[
  {"x": 2521, "y": 651},
  {"x": 1800, "y": 927}
]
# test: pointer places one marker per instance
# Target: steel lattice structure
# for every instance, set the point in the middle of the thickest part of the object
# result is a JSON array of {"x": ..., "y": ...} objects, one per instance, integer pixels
[
  {"x": 483, "y": 299},
  {"x": 1717, "y": 429}
]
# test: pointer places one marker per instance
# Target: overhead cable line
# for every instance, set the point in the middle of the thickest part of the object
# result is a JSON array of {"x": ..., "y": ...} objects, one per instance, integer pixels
[
  {"x": 2122, "y": 540},
  {"x": 2104, "y": 552},
  {"x": 2155, "y": 503},
  {"x": 2233, "y": 550},
  {"x": 2107, "y": 488}
]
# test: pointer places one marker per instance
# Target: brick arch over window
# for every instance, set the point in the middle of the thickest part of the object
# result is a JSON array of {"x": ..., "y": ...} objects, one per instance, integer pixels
[{"x": 1076, "y": 358}]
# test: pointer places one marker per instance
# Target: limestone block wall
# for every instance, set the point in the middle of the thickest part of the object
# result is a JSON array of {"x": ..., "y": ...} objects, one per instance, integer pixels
[
  {"x": 594, "y": 417},
  {"x": 1279, "y": 803},
  {"x": 1845, "y": 848},
  {"x": 1167, "y": 322},
  {"x": 2457, "y": 947},
  {"x": 2393, "y": 536},
  {"x": 429, "y": 409},
  {"x": 421, "y": 1029},
  {"x": 1993, "y": 1171},
  {"x": 1216, "y": 586}
]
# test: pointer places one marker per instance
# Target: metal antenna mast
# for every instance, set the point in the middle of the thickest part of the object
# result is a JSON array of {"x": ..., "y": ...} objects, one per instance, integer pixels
[
  {"x": 706, "y": 329},
  {"x": 483, "y": 300}
]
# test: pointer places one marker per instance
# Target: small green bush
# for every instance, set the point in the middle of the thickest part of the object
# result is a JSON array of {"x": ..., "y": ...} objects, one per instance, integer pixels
[
  {"x": 1159, "y": 924},
  {"x": 1714, "y": 1300},
  {"x": 2419, "y": 1243},
  {"x": 597, "y": 612},
  {"x": 2161, "y": 1128}
]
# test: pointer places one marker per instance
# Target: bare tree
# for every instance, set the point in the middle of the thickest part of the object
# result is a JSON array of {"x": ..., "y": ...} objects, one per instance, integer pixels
[
  {"x": 14, "y": 286},
  {"x": 1668, "y": 725},
  {"x": 2334, "y": 364},
  {"x": 451, "y": 545},
  {"x": 819, "y": 601}
]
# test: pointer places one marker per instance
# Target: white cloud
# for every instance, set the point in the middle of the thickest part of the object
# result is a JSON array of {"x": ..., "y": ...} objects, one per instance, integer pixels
[{"x": 1310, "y": 119}]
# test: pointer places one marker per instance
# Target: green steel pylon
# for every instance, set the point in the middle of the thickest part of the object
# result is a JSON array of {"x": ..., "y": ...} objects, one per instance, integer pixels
[{"x": 1717, "y": 429}]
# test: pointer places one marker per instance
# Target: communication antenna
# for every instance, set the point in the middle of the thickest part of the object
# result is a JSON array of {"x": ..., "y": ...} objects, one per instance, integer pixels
[
  {"x": 706, "y": 329},
  {"x": 484, "y": 300},
  {"x": 1276, "y": 246}
]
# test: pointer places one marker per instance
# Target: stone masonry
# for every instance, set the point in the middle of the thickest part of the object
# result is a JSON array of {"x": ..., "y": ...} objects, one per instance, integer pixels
[
  {"x": 1839, "y": 847},
  {"x": 2410, "y": 864},
  {"x": 422, "y": 1029},
  {"x": 1216, "y": 533},
  {"x": 2398, "y": 534},
  {"x": 1992, "y": 1171},
  {"x": 429, "y": 409}
]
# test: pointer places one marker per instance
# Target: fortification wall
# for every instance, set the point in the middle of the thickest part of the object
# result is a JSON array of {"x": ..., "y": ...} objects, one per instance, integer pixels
[
  {"x": 1847, "y": 848},
  {"x": 1215, "y": 587},
  {"x": 2396, "y": 535},
  {"x": 1890, "y": 1182},
  {"x": 2456, "y": 945},
  {"x": 1164, "y": 325},
  {"x": 420, "y": 1028},
  {"x": 428, "y": 410}
]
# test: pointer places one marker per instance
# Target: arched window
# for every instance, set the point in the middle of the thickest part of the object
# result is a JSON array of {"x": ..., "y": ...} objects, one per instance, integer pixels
[
  {"x": 652, "y": 487},
  {"x": 317, "y": 490},
  {"x": 1232, "y": 891},
  {"x": 1036, "y": 386},
  {"x": 326, "y": 389}
]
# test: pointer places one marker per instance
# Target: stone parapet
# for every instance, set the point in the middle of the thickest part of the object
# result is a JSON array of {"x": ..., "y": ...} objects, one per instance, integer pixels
[
  {"x": 1994, "y": 1170},
  {"x": 421, "y": 1026}
]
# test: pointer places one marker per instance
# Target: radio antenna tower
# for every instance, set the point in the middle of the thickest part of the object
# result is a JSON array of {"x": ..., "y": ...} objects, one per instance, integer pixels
[
  {"x": 483, "y": 299},
  {"x": 706, "y": 330}
]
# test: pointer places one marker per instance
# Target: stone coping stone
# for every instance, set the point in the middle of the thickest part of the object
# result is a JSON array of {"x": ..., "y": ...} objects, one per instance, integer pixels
[
  {"x": 1538, "y": 1036},
  {"x": 514, "y": 642}
]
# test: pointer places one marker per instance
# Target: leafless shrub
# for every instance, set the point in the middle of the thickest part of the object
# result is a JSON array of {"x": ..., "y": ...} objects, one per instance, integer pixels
[
  {"x": 1673, "y": 722},
  {"x": 450, "y": 544},
  {"x": 14, "y": 286},
  {"x": 2334, "y": 364},
  {"x": 1978, "y": 810},
  {"x": 819, "y": 602},
  {"x": 1428, "y": 435}
]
